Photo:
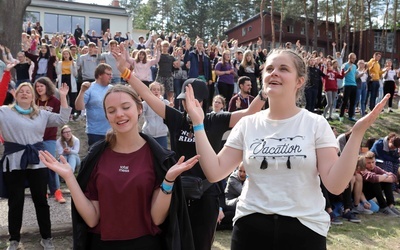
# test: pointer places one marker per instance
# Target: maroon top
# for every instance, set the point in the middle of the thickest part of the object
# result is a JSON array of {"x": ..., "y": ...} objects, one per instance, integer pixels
[
  {"x": 52, "y": 105},
  {"x": 123, "y": 184}
]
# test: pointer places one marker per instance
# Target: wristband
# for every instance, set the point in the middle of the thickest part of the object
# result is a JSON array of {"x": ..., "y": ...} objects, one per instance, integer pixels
[
  {"x": 260, "y": 94},
  {"x": 166, "y": 189},
  {"x": 198, "y": 127}
]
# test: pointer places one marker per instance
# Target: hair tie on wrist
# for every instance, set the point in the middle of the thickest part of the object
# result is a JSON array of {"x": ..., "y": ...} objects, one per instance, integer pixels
[{"x": 165, "y": 179}]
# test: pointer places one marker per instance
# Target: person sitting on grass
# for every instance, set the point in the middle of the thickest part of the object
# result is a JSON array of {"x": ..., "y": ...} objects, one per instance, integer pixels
[
  {"x": 377, "y": 180},
  {"x": 68, "y": 146}
]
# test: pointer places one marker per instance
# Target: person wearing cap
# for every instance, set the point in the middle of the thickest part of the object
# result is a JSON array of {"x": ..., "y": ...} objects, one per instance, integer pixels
[{"x": 204, "y": 211}]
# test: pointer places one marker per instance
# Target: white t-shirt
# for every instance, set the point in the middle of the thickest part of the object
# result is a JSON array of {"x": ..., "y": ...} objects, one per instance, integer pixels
[{"x": 290, "y": 185}]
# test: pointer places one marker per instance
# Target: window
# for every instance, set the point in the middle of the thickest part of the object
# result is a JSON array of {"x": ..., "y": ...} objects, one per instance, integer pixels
[
  {"x": 290, "y": 29},
  {"x": 250, "y": 28},
  {"x": 99, "y": 25},
  {"x": 244, "y": 31},
  {"x": 55, "y": 23},
  {"x": 276, "y": 26},
  {"x": 303, "y": 31},
  {"x": 32, "y": 16},
  {"x": 330, "y": 34},
  {"x": 318, "y": 33}
]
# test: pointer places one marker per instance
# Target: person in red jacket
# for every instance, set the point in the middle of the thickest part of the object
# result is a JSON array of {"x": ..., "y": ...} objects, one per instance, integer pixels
[
  {"x": 331, "y": 87},
  {"x": 5, "y": 80}
]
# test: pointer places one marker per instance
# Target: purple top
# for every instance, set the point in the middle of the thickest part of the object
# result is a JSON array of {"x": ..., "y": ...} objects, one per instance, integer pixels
[{"x": 228, "y": 78}]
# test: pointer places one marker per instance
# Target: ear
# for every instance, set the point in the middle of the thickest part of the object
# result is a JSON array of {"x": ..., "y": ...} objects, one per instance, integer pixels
[{"x": 300, "y": 82}]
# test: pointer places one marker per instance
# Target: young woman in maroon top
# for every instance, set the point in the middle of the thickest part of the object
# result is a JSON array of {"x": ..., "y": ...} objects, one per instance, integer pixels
[{"x": 123, "y": 203}]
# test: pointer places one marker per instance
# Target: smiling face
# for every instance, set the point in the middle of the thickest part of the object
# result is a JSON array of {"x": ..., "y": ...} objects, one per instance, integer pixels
[
  {"x": 156, "y": 90},
  {"x": 40, "y": 89},
  {"x": 122, "y": 112},
  {"x": 281, "y": 76}
]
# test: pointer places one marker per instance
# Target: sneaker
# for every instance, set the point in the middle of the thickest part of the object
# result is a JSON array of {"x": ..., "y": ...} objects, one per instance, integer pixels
[
  {"x": 360, "y": 209},
  {"x": 350, "y": 216},
  {"x": 13, "y": 245},
  {"x": 395, "y": 210},
  {"x": 388, "y": 212},
  {"x": 59, "y": 197},
  {"x": 352, "y": 119},
  {"x": 47, "y": 244},
  {"x": 334, "y": 219}
]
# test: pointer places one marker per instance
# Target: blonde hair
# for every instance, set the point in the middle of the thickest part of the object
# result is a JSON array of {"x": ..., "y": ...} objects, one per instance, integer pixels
[
  {"x": 35, "y": 108},
  {"x": 244, "y": 62},
  {"x": 162, "y": 89},
  {"x": 64, "y": 142}
]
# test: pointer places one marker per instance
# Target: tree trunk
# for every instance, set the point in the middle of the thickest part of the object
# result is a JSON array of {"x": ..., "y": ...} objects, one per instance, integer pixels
[
  {"x": 356, "y": 23},
  {"x": 361, "y": 27},
  {"x": 369, "y": 50},
  {"x": 306, "y": 23},
  {"x": 272, "y": 26},
  {"x": 262, "y": 4},
  {"x": 11, "y": 21},
  {"x": 315, "y": 20},
  {"x": 394, "y": 28},
  {"x": 385, "y": 24},
  {"x": 281, "y": 21},
  {"x": 347, "y": 36},
  {"x": 335, "y": 22},
  {"x": 328, "y": 51}
]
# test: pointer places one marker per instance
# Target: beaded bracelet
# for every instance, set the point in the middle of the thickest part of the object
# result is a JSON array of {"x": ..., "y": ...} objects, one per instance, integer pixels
[{"x": 198, "y": 127}]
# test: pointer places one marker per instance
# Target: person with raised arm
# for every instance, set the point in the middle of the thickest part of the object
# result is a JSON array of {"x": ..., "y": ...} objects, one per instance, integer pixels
[
  {"x": 285, "y": 149},
  {"x": 203, "y": 211}
]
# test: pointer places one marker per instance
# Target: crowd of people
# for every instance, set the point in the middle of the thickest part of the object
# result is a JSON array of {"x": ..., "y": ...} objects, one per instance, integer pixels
[{"x": 206, "y": 135}]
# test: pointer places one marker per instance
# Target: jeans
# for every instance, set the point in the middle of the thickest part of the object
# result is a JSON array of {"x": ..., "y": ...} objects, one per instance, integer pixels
[
  {"x": 18, "y": 82},
  {"x": 92, "y": 138},
  {"x": 311, "y": 98},
  {"x": 73, "y": 160},
  {"x": 363, "y": 97},
  {"x": 374, "y": 94},
  {"x": 54, "y": 180}
]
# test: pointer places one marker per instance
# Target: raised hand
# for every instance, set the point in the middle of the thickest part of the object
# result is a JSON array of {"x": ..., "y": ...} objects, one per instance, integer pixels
[
  {"x": 365, "y": 122},
  {"x": 62, "y": 168},
  {"x": 193, "y": 106},
  {"x": 63, "y": 90},
  {"x": 181, "y": 166}
]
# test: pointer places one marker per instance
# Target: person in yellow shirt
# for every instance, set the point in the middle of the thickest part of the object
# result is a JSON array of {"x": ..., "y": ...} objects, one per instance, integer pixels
[{"x": 375, "y": 72}]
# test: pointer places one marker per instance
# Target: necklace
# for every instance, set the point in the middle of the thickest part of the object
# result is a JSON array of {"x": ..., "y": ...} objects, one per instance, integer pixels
[{"x": 23, "y": 111}]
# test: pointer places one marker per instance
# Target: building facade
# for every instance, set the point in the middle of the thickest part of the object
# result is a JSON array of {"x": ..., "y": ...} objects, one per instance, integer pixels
[{"x": 63, "y": 16}]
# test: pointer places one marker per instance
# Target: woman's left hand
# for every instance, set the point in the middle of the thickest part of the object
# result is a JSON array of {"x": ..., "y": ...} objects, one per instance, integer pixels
[
  {"x": 365, "y": 122},
  {"x": 64, "y": 89},
  {"x": 181, "y": 166}
]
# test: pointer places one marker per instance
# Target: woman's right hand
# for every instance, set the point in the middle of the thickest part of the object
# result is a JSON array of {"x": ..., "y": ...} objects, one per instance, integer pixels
[
  {"x": 62, "y": 168},
  {"x": 193, "y": 106}
]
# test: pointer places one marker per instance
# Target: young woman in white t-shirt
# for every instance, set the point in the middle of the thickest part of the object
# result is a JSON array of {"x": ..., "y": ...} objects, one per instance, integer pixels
[{"x": 284, "y": 150}]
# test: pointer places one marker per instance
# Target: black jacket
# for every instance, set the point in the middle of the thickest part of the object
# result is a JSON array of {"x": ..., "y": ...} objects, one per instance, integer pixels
[{"x": 176, "y": 230}]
